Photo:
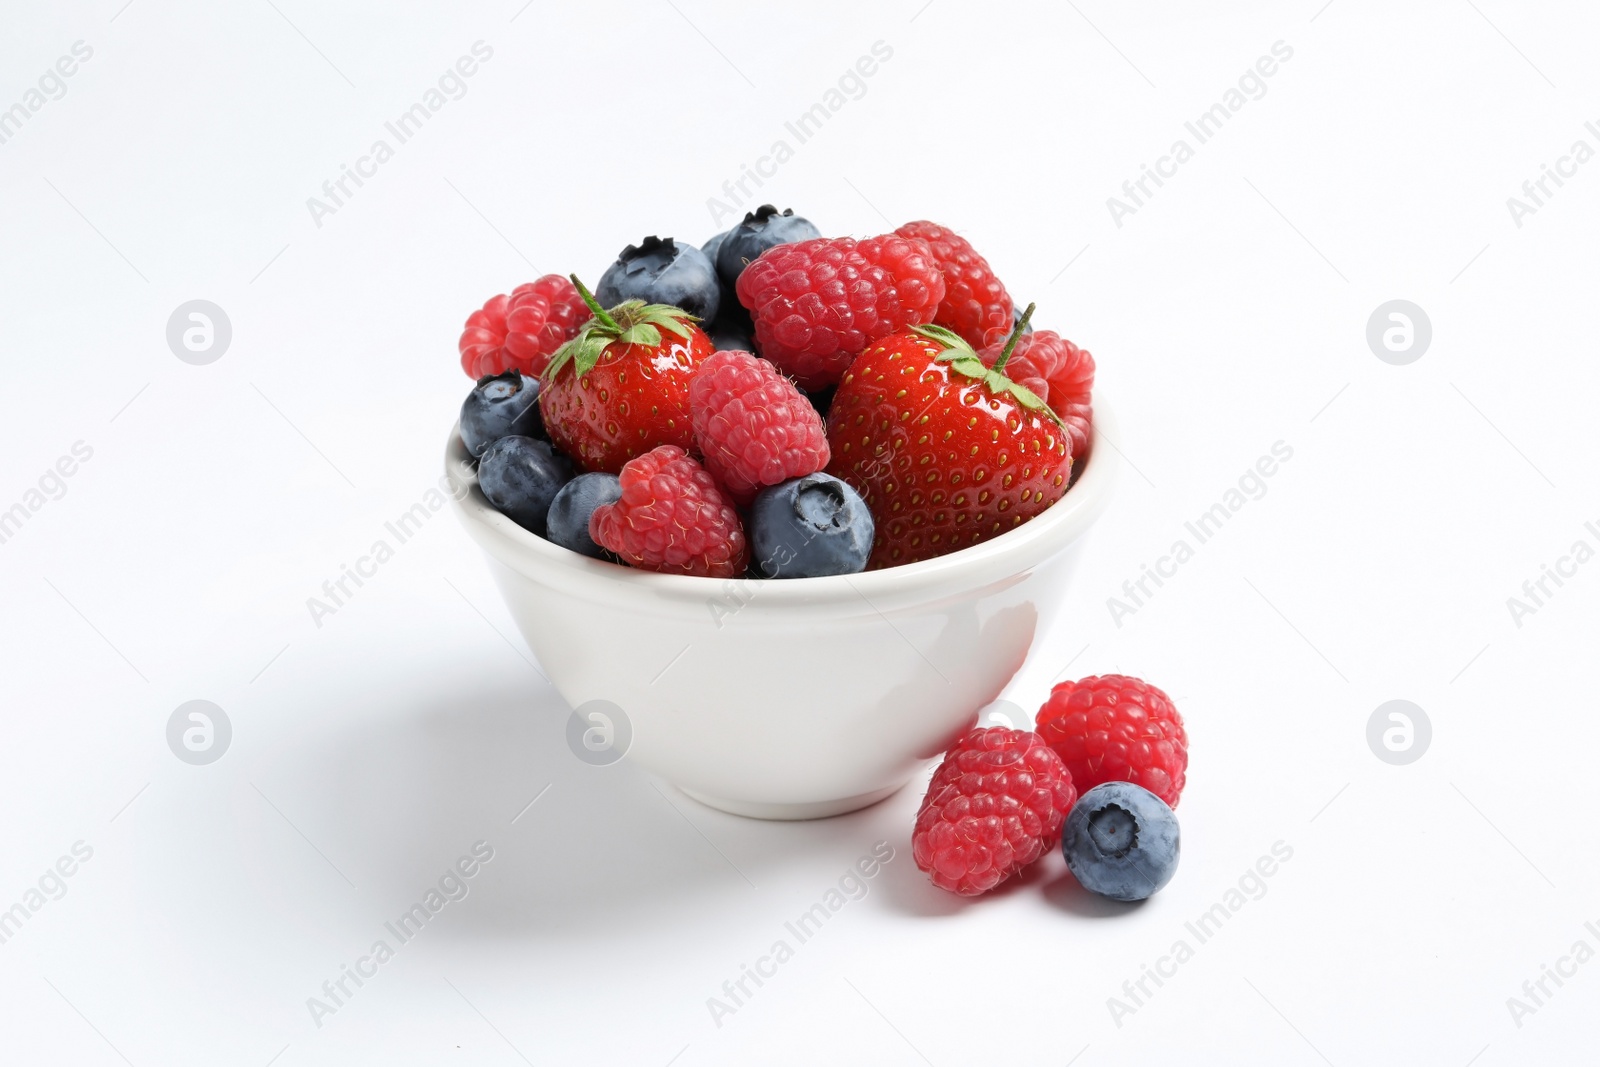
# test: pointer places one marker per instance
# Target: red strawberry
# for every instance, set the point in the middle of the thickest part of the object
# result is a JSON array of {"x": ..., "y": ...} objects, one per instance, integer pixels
[
  {"x": 521, "y": 330},
  {"x": 945, "y": 451},
  {"x": 621, "y": 386}
]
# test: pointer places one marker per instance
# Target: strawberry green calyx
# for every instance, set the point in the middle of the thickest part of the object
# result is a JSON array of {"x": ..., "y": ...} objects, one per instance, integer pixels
[
  {"x": 966, "y": 362},
  {"x": 632, "y": 322}
]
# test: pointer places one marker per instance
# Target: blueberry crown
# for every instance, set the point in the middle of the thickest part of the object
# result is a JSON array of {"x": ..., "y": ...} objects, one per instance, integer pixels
[
  {"x": 649, "y": 246},
  {"x": 765, "y": 213}
]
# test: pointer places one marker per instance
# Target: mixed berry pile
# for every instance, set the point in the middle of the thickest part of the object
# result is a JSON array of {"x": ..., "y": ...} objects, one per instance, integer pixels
[
  {"x": 1101, "y": 775},
  {"x": 774, "y": 403}
]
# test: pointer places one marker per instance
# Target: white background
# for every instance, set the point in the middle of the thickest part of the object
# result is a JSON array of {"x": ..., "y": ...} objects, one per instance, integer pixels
[{"x": 369, "y": 753}]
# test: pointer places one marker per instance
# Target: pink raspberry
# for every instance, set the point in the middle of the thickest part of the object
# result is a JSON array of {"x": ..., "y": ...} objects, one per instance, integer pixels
[
  {"x": 1114, "y": 728},
  {"x": 672, "y": 518},
  {"x": 522, "y": 330},
  {"x": 818, "y": 304},
  {"x": 1059, "y": 373},
  {"x": 994, "y": 806},
  {"x": 914, "y": 271},
  {"x": 975, "y": 305},
  {"x": 752, "y": 425}
]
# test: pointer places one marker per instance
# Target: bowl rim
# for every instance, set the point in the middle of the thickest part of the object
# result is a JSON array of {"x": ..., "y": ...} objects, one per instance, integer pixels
[{"x": 1058, "y": 526}]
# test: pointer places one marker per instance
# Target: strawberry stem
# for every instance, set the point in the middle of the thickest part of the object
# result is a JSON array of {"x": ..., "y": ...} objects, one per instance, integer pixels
[
  {"x": 594, "y": 305},
  {"x": 1016, "y": 335}
]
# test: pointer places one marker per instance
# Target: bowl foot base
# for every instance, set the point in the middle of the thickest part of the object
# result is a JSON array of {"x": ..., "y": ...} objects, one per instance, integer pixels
[{"x": 819, "y": 809}]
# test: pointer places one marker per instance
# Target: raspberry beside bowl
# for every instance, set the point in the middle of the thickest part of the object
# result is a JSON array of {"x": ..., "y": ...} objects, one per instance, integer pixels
[{"x": 790, "y": 698}]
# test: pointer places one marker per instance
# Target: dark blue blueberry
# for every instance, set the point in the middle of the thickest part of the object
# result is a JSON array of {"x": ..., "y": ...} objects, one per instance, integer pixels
[
  {"x": 763, "y": 228},
  {"x": 662, "y": 271},
  {"x": 730, "y": 299},
  {"x": 570, "y": 511},
  {"x": 809, "y": 527},
  {"x": 499, "y": 405},
  {"x": 732, "y": 331},
  {"x": 520, "y": 476},
  {"x": 822, "y": 400},
  {"x": 711, "y": 246},
  {"x": 1121, "y": 841}
]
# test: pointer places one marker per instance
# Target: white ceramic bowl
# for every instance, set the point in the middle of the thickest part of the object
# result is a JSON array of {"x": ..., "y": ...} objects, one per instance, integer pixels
[{"x": 797, "y": 698}]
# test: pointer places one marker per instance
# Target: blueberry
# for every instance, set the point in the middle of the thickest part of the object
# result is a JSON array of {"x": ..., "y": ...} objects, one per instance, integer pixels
[
  {"x": 570, "y": 511},
  {"x": 732, "y": 330},
  {"x": 520, "y": 476},
  {"x": 730, "y": 298},
  {"x": 1121, "y": 841},
  {"x": 661, "y": 271},
  {"x": 762, "y": 229},
  {"x": 822, "y": 400},
  {"x": 711, "y": 246},
  {"x": 809, "y": 527},
  {"x": 499, "y": 405}
]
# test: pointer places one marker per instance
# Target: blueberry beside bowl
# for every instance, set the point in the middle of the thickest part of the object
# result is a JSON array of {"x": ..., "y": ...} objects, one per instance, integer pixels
[{"x": 1121, "y": 841}]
